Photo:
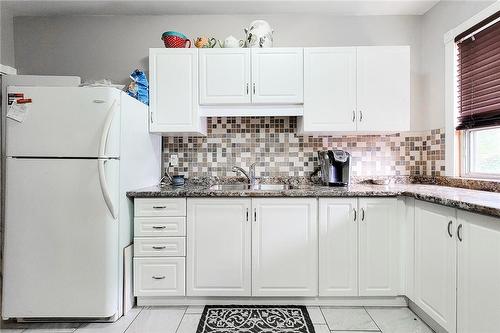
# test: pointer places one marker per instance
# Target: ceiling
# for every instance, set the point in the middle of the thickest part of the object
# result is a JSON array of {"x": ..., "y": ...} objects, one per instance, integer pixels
[{"x": 207, "y": 7}]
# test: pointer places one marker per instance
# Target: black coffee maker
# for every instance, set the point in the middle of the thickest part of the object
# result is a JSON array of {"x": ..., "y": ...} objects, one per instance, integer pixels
[{"x": 335, "y": 167}]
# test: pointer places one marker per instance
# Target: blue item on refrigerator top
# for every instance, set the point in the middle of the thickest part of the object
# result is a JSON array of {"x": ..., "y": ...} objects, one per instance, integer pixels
[{"x": 139, "y": 87}]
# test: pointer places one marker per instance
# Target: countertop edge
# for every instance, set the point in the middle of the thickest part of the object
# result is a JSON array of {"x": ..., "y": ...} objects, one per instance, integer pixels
[{"x": 204, "y": 193}]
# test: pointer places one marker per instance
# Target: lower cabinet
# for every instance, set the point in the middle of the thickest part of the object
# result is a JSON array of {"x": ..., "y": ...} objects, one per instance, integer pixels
[
  {"x": 478, "y": 299},
  {"x": 272, "y": 247},
  {"x": 359, "y": 247},
  {"x": 284, "y": 247},
  {"x": 218, "y": 256},
  {"x": 252, "y": 247},
  {"x": 379, "y": 265},
  {"x": 159, "y": 247},
  {"x": 457, "y": 268},
  {"x": 338, "y": 247},
  {"x": 435, "y": 262}
]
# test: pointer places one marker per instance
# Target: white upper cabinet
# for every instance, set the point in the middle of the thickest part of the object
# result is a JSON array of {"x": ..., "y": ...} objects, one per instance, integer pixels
[
  {"x": 335, "y": 89},
  {"x": 379, "y": 267},
  {"x": 173, "y": 90},
  {"x": 225, "y": 76},
  {"x": 277, "y": 76},
  {"x": 383, "y": 80},
  {"x": 356, "y": 89},
  {"x": 435, "y": 262},
  {"x": 284, "y": 247},
  {"x": 338, "y": 247},
  {"x": 218, "y": 256},
  {"x": 329, "y": 89},
  {"x": 478, "y": 297}
]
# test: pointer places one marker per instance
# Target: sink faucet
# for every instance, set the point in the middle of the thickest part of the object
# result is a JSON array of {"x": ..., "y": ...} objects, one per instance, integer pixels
[
  {"x": 250, "y": 175},
  {"x": 167, "y": 178}
]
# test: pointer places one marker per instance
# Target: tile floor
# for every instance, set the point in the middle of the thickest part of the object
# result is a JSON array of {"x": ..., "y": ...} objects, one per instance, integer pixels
[{"x": 185, "y": 320}]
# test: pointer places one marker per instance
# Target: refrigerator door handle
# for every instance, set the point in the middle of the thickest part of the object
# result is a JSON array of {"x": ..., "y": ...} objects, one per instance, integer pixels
[
  {"x": 104, "y": 187},
  {"x": 107, "y": 127}
]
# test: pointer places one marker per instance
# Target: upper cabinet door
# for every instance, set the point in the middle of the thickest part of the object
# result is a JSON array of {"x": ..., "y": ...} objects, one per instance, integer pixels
[
  {"x": 225, "y": 76},
  {"x": 277, "y": 75},
  {"x": 284, "y": 247},
  {"x": 338, "y": 247},
  {"x": 435, "y": 262},
  {"x": 379, "y": 267},
  {"x": 329, "y": 89},
  {"x": 174, "y": 91},
  {"x": 218, "y": 253},
  {"x": 383, "y": 80},
  {"x": 478, "y": 288}
]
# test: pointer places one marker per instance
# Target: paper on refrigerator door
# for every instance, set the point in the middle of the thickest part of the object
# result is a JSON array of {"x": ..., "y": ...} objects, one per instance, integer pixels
[{"x": 18, "y": 111}]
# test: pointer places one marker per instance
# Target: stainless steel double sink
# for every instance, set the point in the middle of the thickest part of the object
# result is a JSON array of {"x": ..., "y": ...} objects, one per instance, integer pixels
[{"x": 247, "y": 187}]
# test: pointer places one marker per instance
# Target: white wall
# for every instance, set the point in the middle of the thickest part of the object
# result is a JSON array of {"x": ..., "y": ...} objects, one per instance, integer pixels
[
  {"x": 7, "y": 37},
  {"x": 96, "y": 47},
  {"x": 443, "y": 17}
]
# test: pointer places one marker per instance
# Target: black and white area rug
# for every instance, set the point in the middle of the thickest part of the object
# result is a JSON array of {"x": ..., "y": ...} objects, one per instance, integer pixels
[{"x": 255, "y": 319}]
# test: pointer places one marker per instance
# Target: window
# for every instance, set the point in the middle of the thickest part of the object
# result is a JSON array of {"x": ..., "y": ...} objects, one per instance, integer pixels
[
  {"x": 478, "y": 80},
  {"x": 482, "y": 153}
]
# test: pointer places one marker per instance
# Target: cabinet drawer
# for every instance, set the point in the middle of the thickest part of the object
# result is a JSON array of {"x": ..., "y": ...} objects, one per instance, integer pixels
[
  {"x": 159, "y": 276},
  {"x": 160, "y": 247},
  {"x": 159, "y": 226},
  {"x": 160, "y": 207}
]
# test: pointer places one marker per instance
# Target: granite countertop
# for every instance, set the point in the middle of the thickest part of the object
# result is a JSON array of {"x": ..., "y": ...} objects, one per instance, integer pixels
[{"x": 471, "y": 200}]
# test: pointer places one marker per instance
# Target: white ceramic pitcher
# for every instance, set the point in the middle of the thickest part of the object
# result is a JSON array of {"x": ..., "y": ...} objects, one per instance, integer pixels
[{"x": 259, "y": 34}]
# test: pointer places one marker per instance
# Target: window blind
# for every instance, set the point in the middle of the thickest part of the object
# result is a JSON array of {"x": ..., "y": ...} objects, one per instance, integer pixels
[{"x": 479, "y": 75}]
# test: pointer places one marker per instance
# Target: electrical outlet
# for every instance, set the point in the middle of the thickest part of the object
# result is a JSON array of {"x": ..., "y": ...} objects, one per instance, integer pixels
[{"x": 174, "y": 160}]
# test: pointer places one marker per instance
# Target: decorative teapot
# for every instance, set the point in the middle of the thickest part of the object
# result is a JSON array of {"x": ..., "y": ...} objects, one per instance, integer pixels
[
  {"x": 204, "y": 42},
  {"x": 231, "y": 42},
  {"x": 259, "y": 34}
]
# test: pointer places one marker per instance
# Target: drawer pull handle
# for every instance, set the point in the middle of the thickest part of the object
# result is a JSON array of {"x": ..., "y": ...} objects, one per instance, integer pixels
[
  {"x": 159, "y": 247},
  {"x": 158, "y": 277},
  {"x": 159, "y": 207},
  {"x": 159, "y": 227}
]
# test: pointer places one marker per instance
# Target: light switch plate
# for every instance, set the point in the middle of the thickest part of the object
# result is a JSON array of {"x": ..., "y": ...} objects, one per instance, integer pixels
[{"x": 174, "y": 160}]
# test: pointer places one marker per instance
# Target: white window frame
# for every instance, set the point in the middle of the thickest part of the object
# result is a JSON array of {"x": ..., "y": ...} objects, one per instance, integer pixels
[
  {"x": 454, "y": 140},
  {"x": 465, "y": 158}
]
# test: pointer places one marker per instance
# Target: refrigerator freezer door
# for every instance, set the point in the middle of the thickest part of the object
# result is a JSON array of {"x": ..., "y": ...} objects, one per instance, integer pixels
[
  {"x": 61, "y": 241},
  {"x": 66, "y": 122}
]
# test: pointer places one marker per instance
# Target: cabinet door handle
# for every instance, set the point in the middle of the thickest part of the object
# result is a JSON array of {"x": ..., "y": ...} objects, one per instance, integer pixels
[
  {"x": 151, "y": 117},
  {"x": 159, "y": 247},
  {"x": 248, "y": 89},
  {"x": 254, "y": 88},
  {"x": 255, "y": 214},
  {"x": 353, "y": 115},
  {"x": 355, "y": 213},
  {"x": 449, "y": 228},
  {"x": 360, "y": 115},
  {"x": 159, "y": 227},
  {"x": 158, "y": 277},
  {"x": 247, "y": 214},
  {"x": 459, "y": 232},
  {"x": 362, "y": 214},
  {"x": 159, "y": 207}
]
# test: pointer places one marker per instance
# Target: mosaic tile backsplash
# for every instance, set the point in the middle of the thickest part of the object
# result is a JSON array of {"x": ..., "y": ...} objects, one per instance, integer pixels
[{"x": 274, "y": 144}]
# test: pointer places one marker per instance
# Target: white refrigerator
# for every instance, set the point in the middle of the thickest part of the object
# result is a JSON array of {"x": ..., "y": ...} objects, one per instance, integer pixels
[{"x": 67, "y": 218}]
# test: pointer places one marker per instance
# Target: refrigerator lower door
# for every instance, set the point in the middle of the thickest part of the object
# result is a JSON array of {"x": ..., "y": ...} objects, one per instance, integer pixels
[{"x": 61, "y": 241}]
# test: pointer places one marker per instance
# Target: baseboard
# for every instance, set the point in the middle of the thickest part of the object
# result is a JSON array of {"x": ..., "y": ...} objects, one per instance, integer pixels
[
  {"x": 426, "y": 318},
  {"x": 311, "y": 301}
]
